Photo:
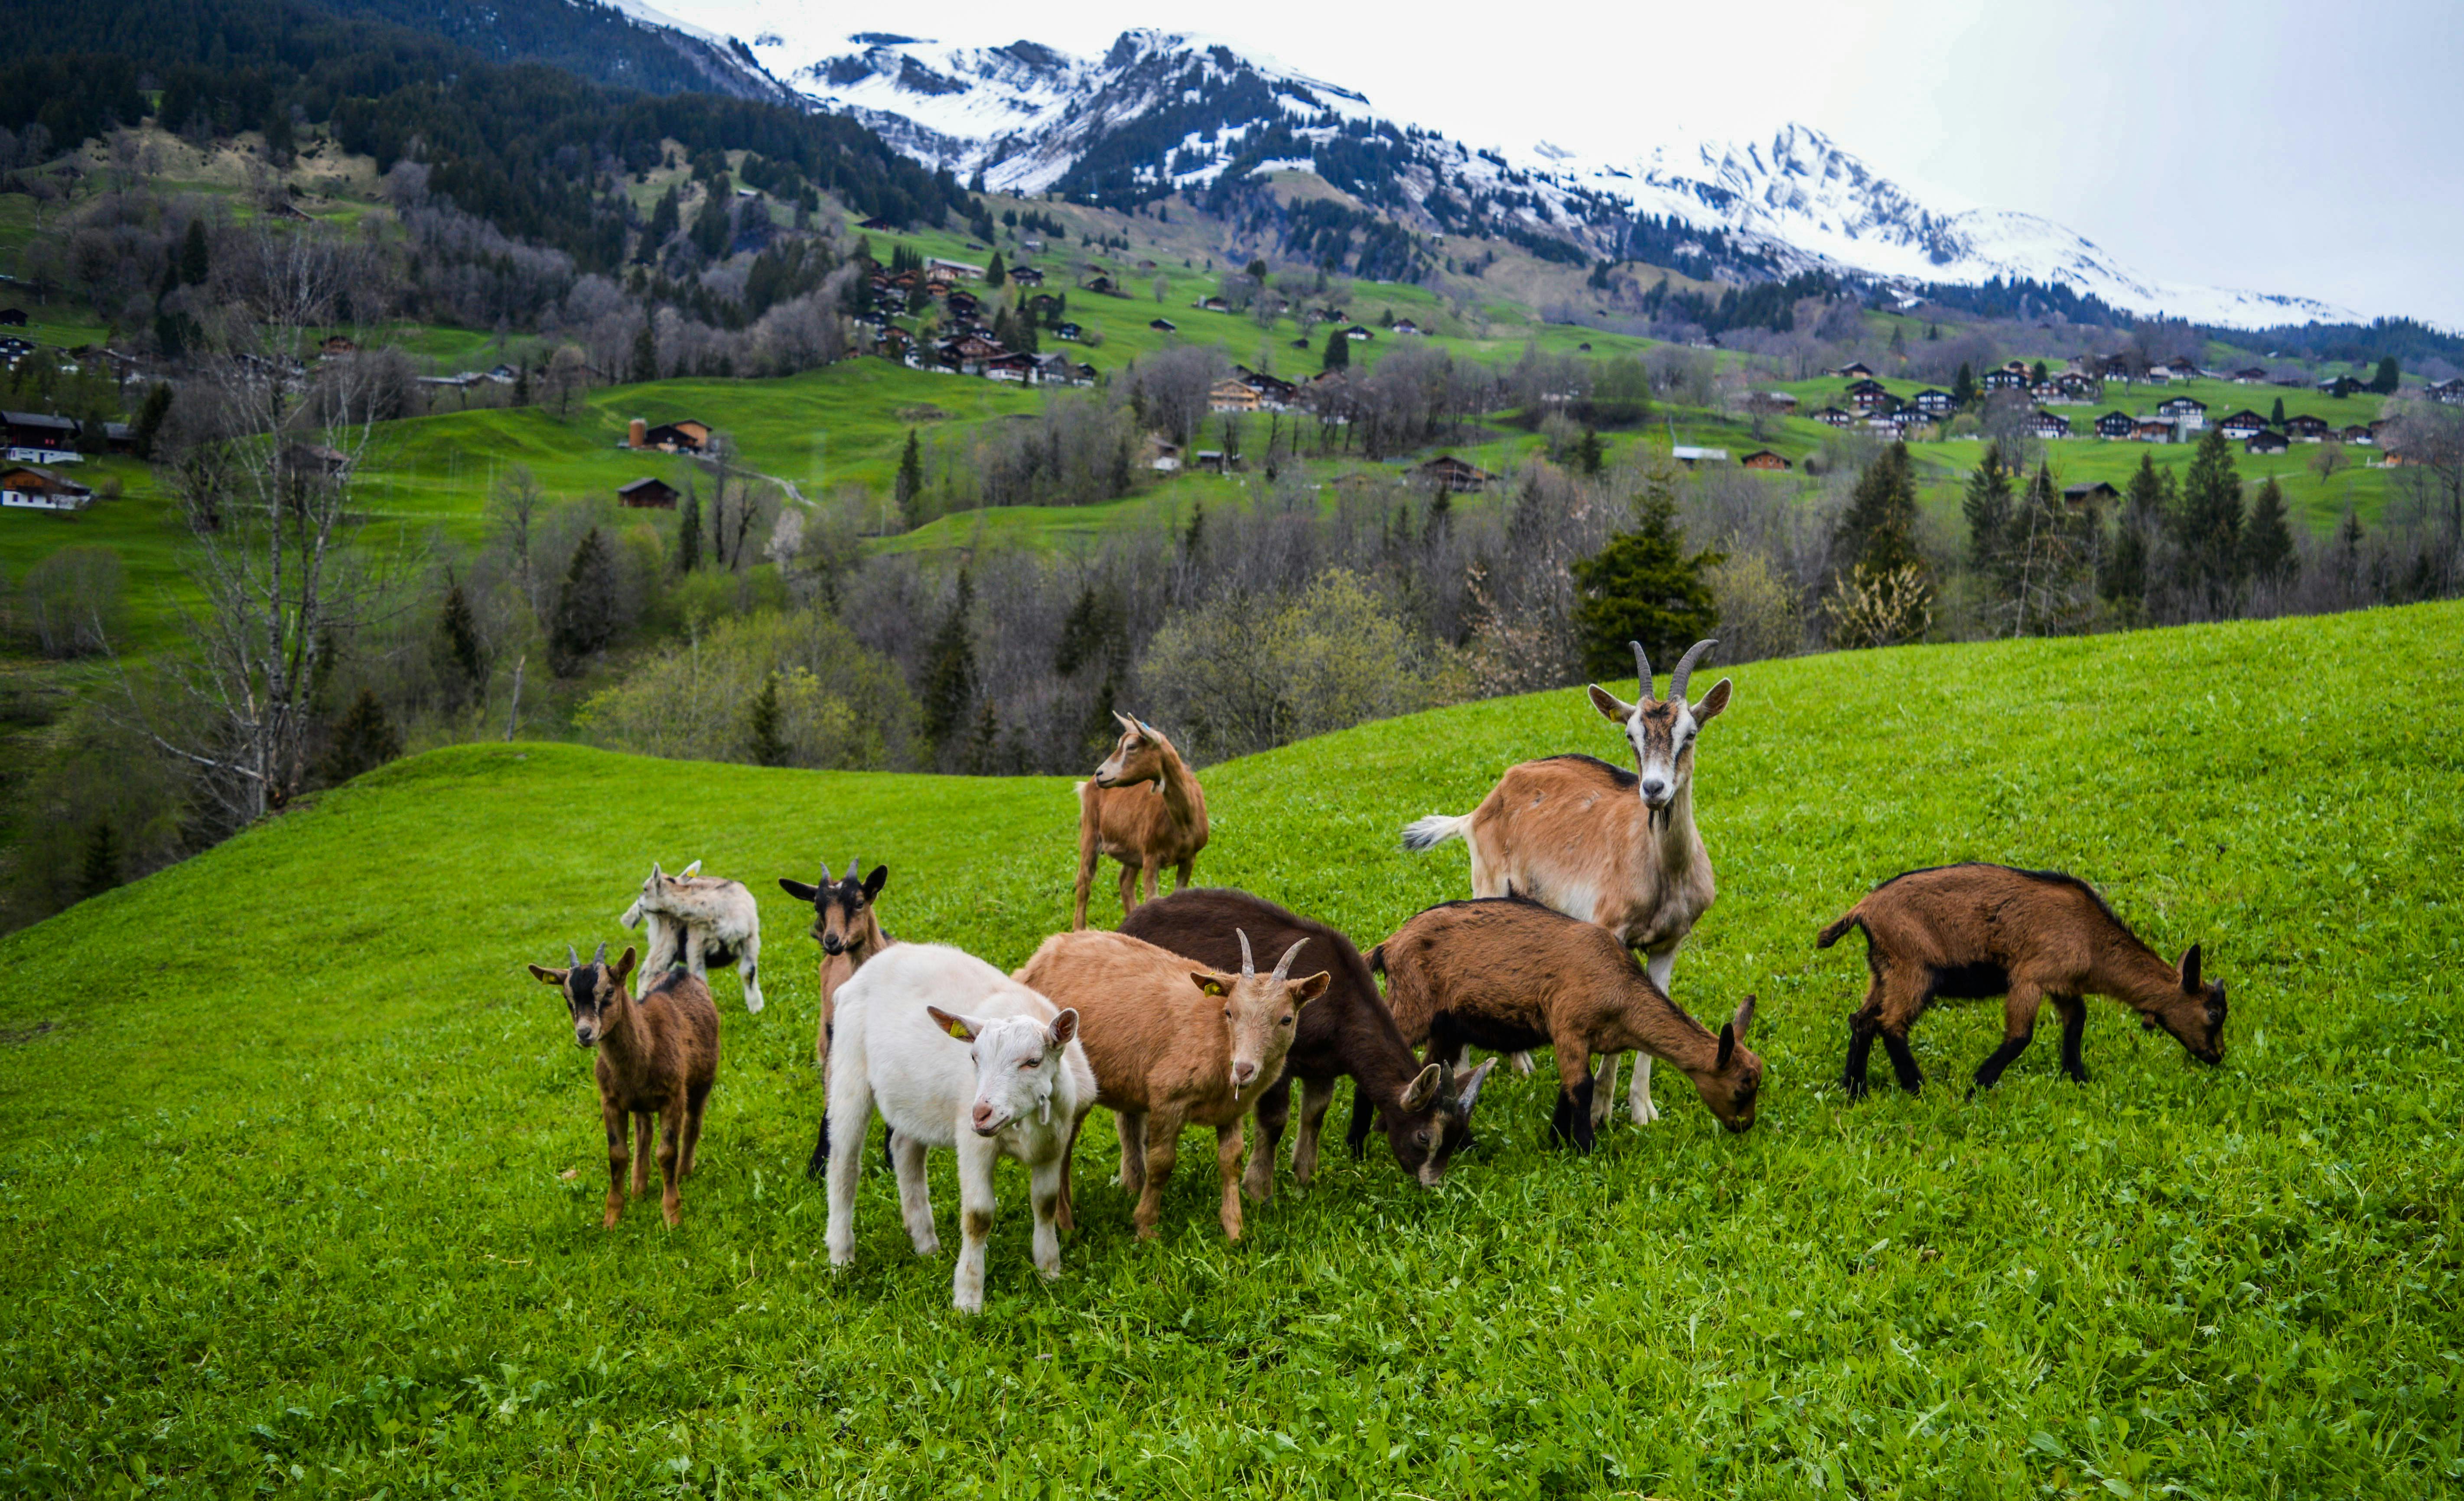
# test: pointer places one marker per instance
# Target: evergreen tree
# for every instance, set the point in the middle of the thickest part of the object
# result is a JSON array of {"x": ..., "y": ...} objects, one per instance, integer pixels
[
  {"x": 457, "y": 629},
  {"x": 2390, "y": 376},
  {"x": 2208, "y": 528},
  {"x": 148, "y": 426},
  {"x": 1439, "y": 521},
  {"x": 1091, "y": 633},
  {"x": 2267, "y": 541},
  {"x": 910, "y": 492},
  {"x": 1588, "y": 453},
  {"x": 194, "y": 260},
  {"x": 1192, "y": 540},
  {"x": 996, "y": 273},
  {"x": 646, "y": 354},
  {"x": 1339, "y": 351},
  {"x": 2145, "y": 509},
  {"x": 712, "y": 232},
  {"x": 586, "y": 605},
  {"x": 100, "y": 871},
  {"x": 950, "y": 668},
  {"x": 363, "y": 741},
  {"x": 1963, "y": 387},
  {"x": 665, "y": 219},
  {"x": 2046, "y": 571},
  {"x": 768, "y": 747},
  {"x": 1879, "y": 529},
  {"x": 2037, "y": 375},
  {"x": 1899, "y": 339},
  {"x": 1643, "y": 586},
  {"x": 2275, "y": 417},
  {"x": 1987, "y": 507},
  {"x": 689, "y": 533}
]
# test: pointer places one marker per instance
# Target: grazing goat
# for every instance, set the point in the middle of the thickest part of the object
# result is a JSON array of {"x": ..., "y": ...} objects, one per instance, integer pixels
[
  {"x": 849, "y": 933},
  {"x": 1564, "y": 832},
  {"x": 953, "y": 1052},
  {"x": 1507, "y": 973},
  {"x": 699, "y": 921},
  {"x": 658, "y": 1056},
  {"x": 1966, "y": 932},
  {"x": 1144, "y": 827},
  {"x": 1163, "y": 1059},
  {"x": 1426, "y": 1110}
]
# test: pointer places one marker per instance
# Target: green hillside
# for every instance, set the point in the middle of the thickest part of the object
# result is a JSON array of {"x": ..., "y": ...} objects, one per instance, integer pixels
[{"x": 288, "y": 1125}]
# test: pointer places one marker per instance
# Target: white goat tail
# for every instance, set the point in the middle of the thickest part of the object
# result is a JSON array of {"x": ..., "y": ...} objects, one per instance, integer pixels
[{"x": 1427, "y": 834}]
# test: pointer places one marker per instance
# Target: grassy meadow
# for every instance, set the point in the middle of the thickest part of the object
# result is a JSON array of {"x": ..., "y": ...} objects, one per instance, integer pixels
[{"x": 302, "y": 1170}]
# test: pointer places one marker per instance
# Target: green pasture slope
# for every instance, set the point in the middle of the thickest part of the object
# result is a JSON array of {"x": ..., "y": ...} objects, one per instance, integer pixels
[{"x": 287, "y": 1130}]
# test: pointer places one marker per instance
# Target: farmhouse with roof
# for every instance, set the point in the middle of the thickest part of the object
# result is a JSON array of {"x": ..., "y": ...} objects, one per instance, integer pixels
[
  {"x": 2116, "y": 424},
  {"x": 648, "y": 494},
  {"x": 2242, "y": 425},
  {"x": 30, "y": 487},
  {"x": 1763, "y": 459},
  {"x": 2267, "y": 443},
  {"x": 1446, "y": 472},
  {"x": 2302, "y": 427}
]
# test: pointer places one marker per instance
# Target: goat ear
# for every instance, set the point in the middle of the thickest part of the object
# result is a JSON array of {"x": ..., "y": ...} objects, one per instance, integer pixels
[
  {"x": 1727, "y": 1046},
  {"x": 798, "y": 889},
  {"x": 873, "y": 883},
  {"x": 625, "y": 964},
  {"x": 656, "y": 874},
  {"x": 693, "y": 869},
  {"x": 1307, "y": 990},
  {"x": 2190, "y": 969},
  {"x": 951, "y": 1022},
  {"x": 1424, "y": 1088},
  {"x": 1612, "y": 707},
  {"x": 1211, "y": 983},
  {"x": 1707, "y": 708},
  {"x": 1743, "y": 1022},
  {"x": 1470, "y": 1095},
  {"x": 1064, "y": 1028},
  {"x": 545, "y": 976},
  {"x": 1126, "y": 723}
]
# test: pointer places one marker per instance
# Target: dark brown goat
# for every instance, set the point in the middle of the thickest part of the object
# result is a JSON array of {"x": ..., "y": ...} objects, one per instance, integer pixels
[
  {"x": 1426, "y": 1110},
  {"x": 1966, "y": 932},
  {"x": 849, "y": 933},
  {"x": 1508, "y": 974},
  {"x": 658, "y": 1056}
]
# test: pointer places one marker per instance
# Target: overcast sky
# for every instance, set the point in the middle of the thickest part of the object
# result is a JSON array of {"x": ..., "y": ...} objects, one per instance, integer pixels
[{"x": 2309, "y": 148}]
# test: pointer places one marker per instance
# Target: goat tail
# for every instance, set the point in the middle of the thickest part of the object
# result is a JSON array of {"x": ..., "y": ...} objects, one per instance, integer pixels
[
  {"x": 1831, "y": 935},
  {"x": 1427, "y": 834},
  {"x": 1377, "y": 960}
]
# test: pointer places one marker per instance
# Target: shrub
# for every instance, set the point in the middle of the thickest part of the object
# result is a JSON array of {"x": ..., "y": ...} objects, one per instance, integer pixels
[
  {"x": 778, "y": 688},
  {"x": 1757, "y": 609},
  {"x": 71, "y": 603}
]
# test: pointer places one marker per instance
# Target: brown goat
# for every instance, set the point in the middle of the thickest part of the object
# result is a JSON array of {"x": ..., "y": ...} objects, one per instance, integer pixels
[
  {"x": 1144, "y": 808},
  {"x": 1966, "y": 932},
  {"x": 849, "y": 933},
  {"x": 658, "y": 1056},
  {"x": 1173, "y": 1046},
  {"x": 1509, "y": 975}
]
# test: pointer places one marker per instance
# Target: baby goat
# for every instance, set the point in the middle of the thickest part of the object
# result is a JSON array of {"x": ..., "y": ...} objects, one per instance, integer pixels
[
  {"x": 935, "y": 1039},
  {"x": 849, "y": 933},
  {"x": 1162, "y": 1059},
  {"x": 1965, "y": 933},
  {"x": 699, "y": 921},
  {"x": 657, "y": 1056},
  {"x": 1509, "y": 975}
]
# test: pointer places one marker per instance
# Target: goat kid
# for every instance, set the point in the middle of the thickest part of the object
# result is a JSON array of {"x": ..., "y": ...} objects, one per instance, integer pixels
[
  {"x": 1507, "y": 974},
  {"x": 699, "y": 921},
  {"x": 849, "y": 933},
  {"x": 1163, "y": 1059},
  {"x": 955, "y": 1053},
  {"x": 1605, "y": 845},
  {"x": 658, "y": 1057},
  {"x": 1144, "y": 808},
  {"x": 1968, "y": 932},
  {"x": 1426, "y": 1110}
]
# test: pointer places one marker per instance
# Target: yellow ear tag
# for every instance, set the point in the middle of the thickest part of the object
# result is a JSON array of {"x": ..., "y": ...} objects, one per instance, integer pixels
[
  {"x": 958, "y": 1031},
  {"x": 1214, "y": 988}
]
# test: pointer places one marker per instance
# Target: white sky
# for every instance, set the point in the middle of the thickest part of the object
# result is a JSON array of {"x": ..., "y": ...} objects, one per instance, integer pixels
[{"x": 2313, "y": 150}]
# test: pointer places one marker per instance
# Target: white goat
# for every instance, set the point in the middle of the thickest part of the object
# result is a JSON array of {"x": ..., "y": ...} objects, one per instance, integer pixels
[
  {"x": 953, "y": 1052},
  {"x": 698, "y": 921}
]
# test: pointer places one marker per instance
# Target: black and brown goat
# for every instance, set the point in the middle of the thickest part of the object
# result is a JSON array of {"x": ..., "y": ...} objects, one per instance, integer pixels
[
  {"x": 658, "y": 1057},
  {"x": 1968, "y": 932},
  {"x": 1346, "y": 1030},
  {"x": 849, "y": 931},
  {"x": 1505, "y": 973}
]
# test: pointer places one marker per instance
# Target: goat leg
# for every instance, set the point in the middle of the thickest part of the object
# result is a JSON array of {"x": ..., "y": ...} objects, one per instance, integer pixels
[
  {"x": 1228, "y": 1169},
  {"x": 1364, "y": 1117},
  {"x": 1860, "y": 1047},
  {"x": 1317, "y": 1095},
  {"x": 1903, "y": 1063},
  {"x": 916, "y": 1198},
  {"x": 1162, "y": 1131},
  {"x": 671, "y": 1131},
  {"x": 2074, "y": 1027},
  {"x": 2019, "y": 1026},
  {"x": 1274, "y": 1112},
  {"x": 693, "y": 1103},
  {"x": 620, "y": 1157},
  {"x": 1131, "y": 1127},
  {"x": 643, "y": 1147},
  {"x": 1574, "y": 1117},
  {"x": 1604, "y": 1089}
]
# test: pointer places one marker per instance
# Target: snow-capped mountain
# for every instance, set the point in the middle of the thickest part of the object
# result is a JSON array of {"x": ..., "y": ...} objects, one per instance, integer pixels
[{"x": 1161, "y": 112}]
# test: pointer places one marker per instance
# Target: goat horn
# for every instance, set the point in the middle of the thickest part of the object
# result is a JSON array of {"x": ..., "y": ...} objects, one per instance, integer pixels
[
  {"x": 1283, "y": 966},
  {"x": 1642, "y": 670},
  {"x": 1248, "y": 966},
  {"x": 572, "y": 960},
  {"x": 600, "y": 957},
  {"x": 1685, "y": 669}
]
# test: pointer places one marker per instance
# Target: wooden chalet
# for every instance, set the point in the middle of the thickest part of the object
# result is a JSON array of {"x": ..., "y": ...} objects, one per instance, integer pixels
[
  {"x": 2004, "y": 379},
  {"x": 1102, "y": 284},
  {"x": 1763, "y": 459},
  {"x": 1855, "y": 370},
  {"x": 2188, "y": 413},
  {"x": 2249, "y": 375},
  {"x": 1359, "y": 335},
  {"x": 953, "y": 270},
  {"x": 1691, "y": 454},
  {"x": 2092, "y": 492},
  {"x": 876, "y": 226},
  {"x": 1933, "y": 402},
  {"x": 2242, "y": 425},
  {"x": 30, "y": 487},
  {"x": 1070, "y": 332},
  {"x": 688, "y": 435},
  {"x": 2072, "y": 386},
  {"x": 1865, "y": 396},
  {"x": 2267, "y": 443},
  {"x": 1446, "y": 472},
  {"x": 2302, "y": 427},
  {"x": 1835, "y": 417},
  {"x": 2359, "y": 433},
  {"x": 39, "y": 431},
  {"x": 1163, "y": 325},
  {"x": 1026, "y": 275},
  {"x": 1231, "y": 395},
  {"x": 1778, "y": 403},
  {"x": 314, "y": 461},
  {"x": 2451, "y": 392},
  {"x": 1404, "y": 326},
  {"x": 1211, "y": 304},
  {"x": 648, "y": 494},
  {"x": 1010, "y": 365},
  {"x": 2116, "y": 424},
  {"x": 2337, "y": 387},
  {"x": 12, "y": 318},
  {"x": 2153, "y": 429},
  {"x": 339, "y": 344}
]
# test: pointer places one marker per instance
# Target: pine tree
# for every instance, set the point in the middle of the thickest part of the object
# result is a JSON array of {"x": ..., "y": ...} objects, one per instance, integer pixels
[
  {"x": 457, "y": 628},
  {"x": 646, "y": 354},
  {"x": 1339, "y": 351},
  {"x": 2209, "y": 525},
  {"x": 689, "y": 533},
  {"x": 1987, "y": 507},
  {"x": 1439, "y": 521},
  {"x": 100, "y": 871},
  {"x": 996, "y": 273},
  {"x": 586, "y": 605},
  {"x": 950, "y": 668},
  {"x": 1588, "y": 453},
  {"x": 2046, "y": 567},
  {"x": 768, "y": 747},
  {"x": 194, "y": 260},
  {"x": 1644, "y": 587},
  {"x": 1963, "y": 387},
  {"x": 363, "y": 741},
  {"x": 1091, "y": 633},
  {"x": 2267, "y": 541},
  {"x": 2037, "y": 375},
  {"x": 2388, "y": 378},
  {"x": 665, "y": 219},
  {"x": 1879, "y": 529},
  {"x": 909, "y": 491},
  {"x": 1899, "y": 339},
  {"x": 148, "y": 426},
  {"x": 2275, "y": 417},
  {"x": 2146, "y": 511}
]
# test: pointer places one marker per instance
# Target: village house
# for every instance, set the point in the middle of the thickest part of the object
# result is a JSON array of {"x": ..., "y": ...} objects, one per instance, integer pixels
[
  {"x": 2302, "y": 427},
  {"x": 1359, "y": 335},
  {"x": 1690, "y": 454},
  {"x": 2072, "y": 386},
  {"x": 2337, "y": 387},
  {"x": 1405, "y": 326},
  {"x": 953, "y": 269},
  {"x": 39, "y": 431},
  {"x": 30, "y": 487},
  {"x": 1834, "y": 417},
  {"x": 1774, "y": 403},
  {"x": 12, "y": 318},
  {"x": 2112, "y": 367},
  {"x": 1867, "y": 395},
  {"x": 2050, "y": 425},
  {"x": 2004, "y": 380},
  {"x": 2091, "y": 492},
  {"x": 1451, "y": 475},
  {"x": 2116, "y": 424},
  {"x": 314, "y": 461},
  {"x": 2185, "y": 413},
  {"x": 1231, "y": 395},
  {"x": 2242, "y": 425},
  {"x": 1026, "y": 275},
  {"x": 1763, "y": 459},
  {"x": 1211, "y": 304},
  {"x": 1163, "y": 325},
  {"x": 1068, "y": 331},
  {"x": 2358, "y": 434},
  {"x": 646, "y": 493},
  {"x": 2249, "y": 375},
  {"x": 1855, "y": 370},
  {"x": 1102, "y": 284},
  {"x": 1208, "y": 460},
  {"x": 339, "y": 344},
  {"x": 690, "y": 435},
  {"x": 1933, "y": 402},
  {"x": 876, "y": 226},
  {"x": 2451, "y": 392},
  {"x": 2267, "y": 443},
  {"x": 2153, "y": 429}
]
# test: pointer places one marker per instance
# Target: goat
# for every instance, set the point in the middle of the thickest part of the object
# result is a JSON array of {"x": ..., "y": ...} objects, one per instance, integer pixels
[
  {"x": 1145, "y": 831},
  {"x": 933, "y": 1037},
  {"x": 1968, "y": 932},
  {"x": 1426, "y": 1110},
  {"x": 849, "y": 933},
  {"x": 657, "y": 1056},
  {"x": 1507, "y": 973},
  {"x": 699, "y": 921},
  {"x": 1162, "y": 1059},
  {"x": 1562, "y": 831}
]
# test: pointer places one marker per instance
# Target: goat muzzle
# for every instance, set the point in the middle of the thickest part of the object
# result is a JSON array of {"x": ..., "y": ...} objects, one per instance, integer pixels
[
  {"x": 984, "y": 1122},
  {"x": 833, "y": 945}
]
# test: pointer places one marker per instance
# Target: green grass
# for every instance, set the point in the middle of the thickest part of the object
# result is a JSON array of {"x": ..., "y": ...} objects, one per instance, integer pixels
[{"x": 282, "y": 1178}]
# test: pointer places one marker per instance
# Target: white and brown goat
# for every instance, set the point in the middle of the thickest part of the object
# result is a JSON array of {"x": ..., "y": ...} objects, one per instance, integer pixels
[
  {"x": 849, "y": 933},
  {"x": 1966, "y": 932},
  {"x": 698, "y": 921},
  {"x": 1602, "y": 844},
  {"x": 1143, "y": 807}
]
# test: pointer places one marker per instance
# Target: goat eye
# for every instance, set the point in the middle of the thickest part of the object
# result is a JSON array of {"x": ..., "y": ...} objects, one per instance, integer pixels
[
  {"x": 1285, "y": 1022},
  {"x": 1420, "y": 1136},
  {"x": 1227, "y": 1013},
  {"x": 1029, "y": 1064}
]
